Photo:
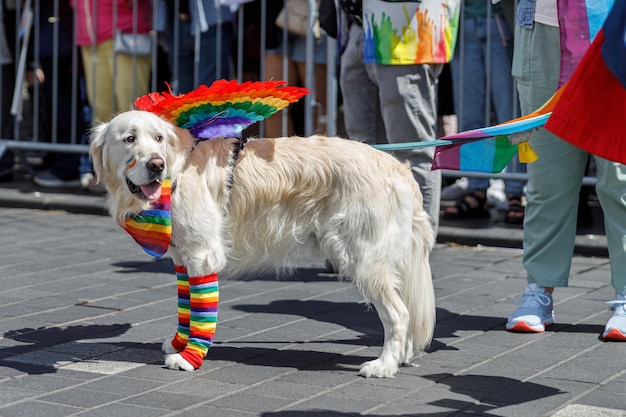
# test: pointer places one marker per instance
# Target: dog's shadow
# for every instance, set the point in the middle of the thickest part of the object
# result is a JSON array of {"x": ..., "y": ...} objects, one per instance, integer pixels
[
  {"x": 44, "y": 350},
  {"x": 361, "y": 322},
  {"x": 364, "y": 320},
  {"x": 489, "y": 395}
]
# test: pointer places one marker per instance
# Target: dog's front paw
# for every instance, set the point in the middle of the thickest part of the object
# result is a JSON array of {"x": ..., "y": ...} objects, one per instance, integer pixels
[
  {"x": 167, "y": 347},
  {"x": 176, "y": 361},
  {"x": 378, "y": 369}
]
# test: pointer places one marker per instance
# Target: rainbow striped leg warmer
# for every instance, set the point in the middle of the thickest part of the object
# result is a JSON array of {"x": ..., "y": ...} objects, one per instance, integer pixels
[
  {"x": 182, "y": 334},
  {"x": 203, "y": 300}
]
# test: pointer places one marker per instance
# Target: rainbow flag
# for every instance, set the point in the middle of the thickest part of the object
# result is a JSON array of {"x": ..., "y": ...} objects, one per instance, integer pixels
[
  {"x": 489, "y": 149},
  {"x": 591, "y": 113}
]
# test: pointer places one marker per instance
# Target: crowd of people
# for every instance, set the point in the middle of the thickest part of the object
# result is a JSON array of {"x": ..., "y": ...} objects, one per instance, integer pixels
[{"x": 505, "y": 63}]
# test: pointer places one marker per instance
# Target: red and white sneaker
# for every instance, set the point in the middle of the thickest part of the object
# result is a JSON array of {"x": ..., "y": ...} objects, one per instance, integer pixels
[
  {"x": 615, "y": 329},
  {"x": 534, "y": 313}
]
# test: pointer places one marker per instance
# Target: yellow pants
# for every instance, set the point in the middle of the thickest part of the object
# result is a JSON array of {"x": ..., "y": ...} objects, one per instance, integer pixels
[{"x": 114, "y": 84}]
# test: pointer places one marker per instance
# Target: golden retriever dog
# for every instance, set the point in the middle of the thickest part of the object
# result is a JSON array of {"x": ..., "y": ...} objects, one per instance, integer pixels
[{"x": 238, "y": 210}]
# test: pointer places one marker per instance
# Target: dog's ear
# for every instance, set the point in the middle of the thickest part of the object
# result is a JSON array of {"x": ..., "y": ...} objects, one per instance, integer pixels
[
  {"x": 183, "y": 139},
  {"x": 96, "y": 140}
]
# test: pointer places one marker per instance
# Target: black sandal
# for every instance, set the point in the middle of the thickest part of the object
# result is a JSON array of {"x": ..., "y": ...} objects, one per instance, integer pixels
[
  {"x": 515, "y": 206},
  {"x": 464, "y": 209}
]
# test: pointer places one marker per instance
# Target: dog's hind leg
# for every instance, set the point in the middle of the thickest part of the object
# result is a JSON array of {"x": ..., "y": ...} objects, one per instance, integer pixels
[
  {"x": 181, "y": 338},
  {"x": 394, "y": 316}
]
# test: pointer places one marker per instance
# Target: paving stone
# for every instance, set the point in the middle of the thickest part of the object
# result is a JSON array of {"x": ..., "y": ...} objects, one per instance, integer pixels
[
  {"x": 118, "y": 384},
  {"x": 581, "y": 410},
  {"x": 40, "y": 383},
  {"x": 123, "y": 410},
  {"x": 103, "y": 367},
  {"x": 204, "y": 411},
  {"x": 164, "y": 400},
  {"x": 38, "y": 408},
  {"x": 9, "y": 395},
  {"x": 79, "y": 397},
  {"x": 248, "y": 402}
]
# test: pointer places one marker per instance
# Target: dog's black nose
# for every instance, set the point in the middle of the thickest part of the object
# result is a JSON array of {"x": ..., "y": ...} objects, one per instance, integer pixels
[{"x": 156, "y": 165}]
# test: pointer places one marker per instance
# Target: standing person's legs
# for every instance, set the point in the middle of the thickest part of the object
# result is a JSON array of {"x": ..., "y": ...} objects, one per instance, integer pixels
[
  {"x": 99, "y": 79},
  {"x": 361, "y": 107},
  {"x": 468, "y": 77},
  {"x": 504, "y": 106},
  {"x": 554, "y": 181},
  {"x": 274, "y": 62},
  {"x": 319, "y": 69},
  {"x": 500, "y": 80},
  {"x": 469, "y": 84},
  {"x": 408, "y": 104},
  {"x": 611, "y": 191},
  {"x": 209, "y": 71},
  {"x": 62, "y": 167},
  {"x": 181, "y": 56},
  {"x": 132, "y": 80},
  {"x": 319, "y": 110}
]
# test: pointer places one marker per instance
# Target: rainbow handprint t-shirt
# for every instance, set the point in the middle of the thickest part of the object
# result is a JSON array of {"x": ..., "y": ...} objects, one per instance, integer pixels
[{"x": 410, "y": 32}]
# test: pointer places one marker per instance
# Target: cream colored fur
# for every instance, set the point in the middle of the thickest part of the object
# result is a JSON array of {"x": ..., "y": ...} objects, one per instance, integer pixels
[{"x": 359, "y": 206}]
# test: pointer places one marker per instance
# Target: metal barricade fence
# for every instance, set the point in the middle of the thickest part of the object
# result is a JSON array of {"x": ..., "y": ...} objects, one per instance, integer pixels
[{"x": 39, "y": 35}]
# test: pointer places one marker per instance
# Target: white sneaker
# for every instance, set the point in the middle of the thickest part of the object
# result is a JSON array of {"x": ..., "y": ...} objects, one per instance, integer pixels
[
  {"x": 615, "y": 328},
  {"x": 89, "y": 183},
  {"x": 535, "y": 311},
  {"x": 455, "y": 191},
  {"x": 48, "y": 179}
]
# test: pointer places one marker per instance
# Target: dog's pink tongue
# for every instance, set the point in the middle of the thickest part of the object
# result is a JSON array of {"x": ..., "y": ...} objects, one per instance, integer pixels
[{"x": 152, "y": 191}]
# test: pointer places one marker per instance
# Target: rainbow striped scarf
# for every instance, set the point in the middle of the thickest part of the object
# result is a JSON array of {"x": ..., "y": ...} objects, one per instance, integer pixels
[{"x": 152, "y": 229}]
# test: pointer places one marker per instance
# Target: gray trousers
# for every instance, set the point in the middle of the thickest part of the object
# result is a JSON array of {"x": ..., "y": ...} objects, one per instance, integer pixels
[{"x": 393, "y": 104}]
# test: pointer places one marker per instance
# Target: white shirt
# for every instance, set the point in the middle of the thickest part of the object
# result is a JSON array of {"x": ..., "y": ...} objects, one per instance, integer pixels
[{"x": 545, "y": 12}]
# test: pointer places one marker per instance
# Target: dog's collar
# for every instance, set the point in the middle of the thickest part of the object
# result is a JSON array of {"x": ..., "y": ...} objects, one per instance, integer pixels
[
  {"x": 237, "y": 148},
  {"x": 152, "y": 228}
]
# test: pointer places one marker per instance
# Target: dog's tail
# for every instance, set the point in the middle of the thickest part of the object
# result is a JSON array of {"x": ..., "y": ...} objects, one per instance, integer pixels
[{"x": 418, "y": 292}]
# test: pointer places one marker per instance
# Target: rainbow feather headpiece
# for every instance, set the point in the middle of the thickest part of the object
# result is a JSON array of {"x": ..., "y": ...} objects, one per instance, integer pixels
[{"x": 225, "y": 108}]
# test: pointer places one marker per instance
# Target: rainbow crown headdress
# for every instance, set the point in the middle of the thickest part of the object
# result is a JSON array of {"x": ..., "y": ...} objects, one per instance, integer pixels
[{"x": 224, "y": 109}]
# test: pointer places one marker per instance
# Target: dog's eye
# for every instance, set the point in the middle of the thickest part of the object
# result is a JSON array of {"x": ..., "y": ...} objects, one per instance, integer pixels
[
  {"x": 129, "y": 139},
  {"x": 159, "y": 138}
]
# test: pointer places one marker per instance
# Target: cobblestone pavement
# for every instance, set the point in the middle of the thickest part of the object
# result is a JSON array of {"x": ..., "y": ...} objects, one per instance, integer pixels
[{"x": 83, "y": 312}]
